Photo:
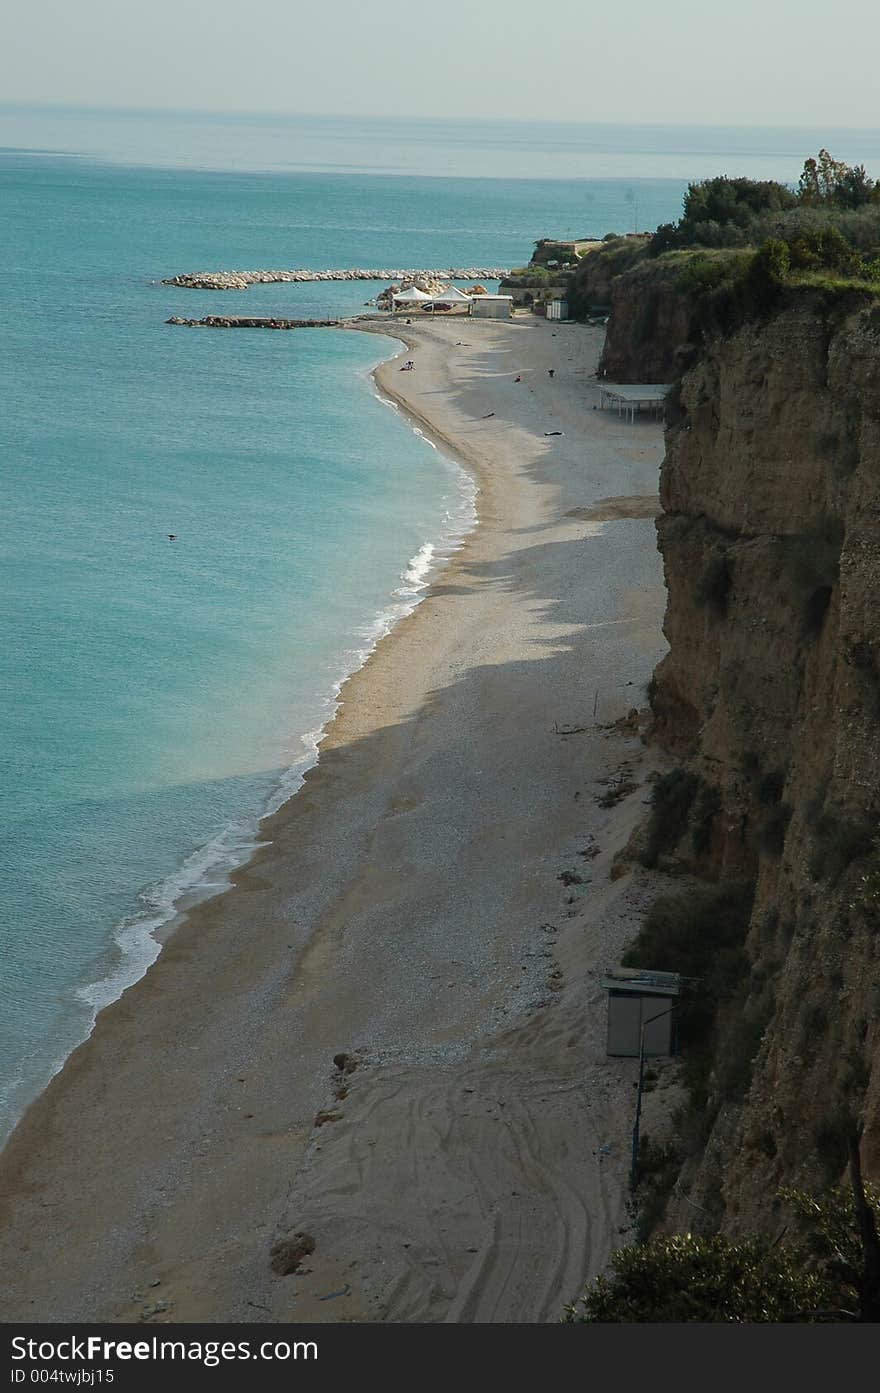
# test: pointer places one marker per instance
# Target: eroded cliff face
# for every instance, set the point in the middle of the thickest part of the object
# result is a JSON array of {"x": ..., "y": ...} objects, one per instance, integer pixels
[
  {"x": 770, "y": 694},
  {"x": 651, "y": 317},
  {"x": 651, "y": 325}
]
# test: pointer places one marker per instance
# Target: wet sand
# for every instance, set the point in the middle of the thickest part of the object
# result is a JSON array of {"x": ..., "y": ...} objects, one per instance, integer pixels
[{"x": 407, "y": 909}]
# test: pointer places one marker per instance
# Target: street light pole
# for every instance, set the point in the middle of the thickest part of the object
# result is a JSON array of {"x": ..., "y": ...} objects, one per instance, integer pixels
[{"x": 634, "y": 1163}]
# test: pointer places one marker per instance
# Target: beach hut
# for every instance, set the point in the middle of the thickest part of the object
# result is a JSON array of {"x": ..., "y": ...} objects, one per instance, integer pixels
[
  {"x": 641, "y": 1006},
  {"x": 492, "y": 306}
]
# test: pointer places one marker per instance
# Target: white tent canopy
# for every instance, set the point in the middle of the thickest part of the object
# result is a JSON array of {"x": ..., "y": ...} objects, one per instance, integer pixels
[
  {"x": 411, "y": 295},
  {"x": 451, "y": 296}
]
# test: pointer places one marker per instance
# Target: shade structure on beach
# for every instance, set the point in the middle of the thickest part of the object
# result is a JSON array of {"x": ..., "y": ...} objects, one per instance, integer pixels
[
  {"x": 627, "y": 398},
  {"x": 450, "y": 296},
  {"x": 411, "y": 296}
]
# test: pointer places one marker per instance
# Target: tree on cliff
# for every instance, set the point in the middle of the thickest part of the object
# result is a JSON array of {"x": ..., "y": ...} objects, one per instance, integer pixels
[
  {"x": 719, "y": 212},
  {"x": 840, "y": 1232},
  {"x": 826, "y": 181}
]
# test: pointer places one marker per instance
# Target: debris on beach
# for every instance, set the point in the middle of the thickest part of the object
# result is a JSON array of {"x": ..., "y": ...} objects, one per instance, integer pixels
[{"x": 288, "y": 1253}]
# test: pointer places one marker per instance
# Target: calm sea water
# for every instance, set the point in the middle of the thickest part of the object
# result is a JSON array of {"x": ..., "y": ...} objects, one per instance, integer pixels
[{"x": 159, "y": 696}]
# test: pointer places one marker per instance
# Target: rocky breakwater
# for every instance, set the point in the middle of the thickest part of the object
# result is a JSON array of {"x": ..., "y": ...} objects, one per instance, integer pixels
[
  {"x": 240, "y": 280},
  {"x": 239, "y": 321},
  {"x": 768, "y": 705}
]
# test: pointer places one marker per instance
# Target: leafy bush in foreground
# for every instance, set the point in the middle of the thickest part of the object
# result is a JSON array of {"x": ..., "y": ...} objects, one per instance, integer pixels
[
  {"x": 685, "y": 1278},
  {"x": 831, "y": 1272}
]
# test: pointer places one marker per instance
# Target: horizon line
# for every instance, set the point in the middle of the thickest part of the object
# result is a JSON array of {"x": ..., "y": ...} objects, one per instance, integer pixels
[{"x": 111, "y": 108}]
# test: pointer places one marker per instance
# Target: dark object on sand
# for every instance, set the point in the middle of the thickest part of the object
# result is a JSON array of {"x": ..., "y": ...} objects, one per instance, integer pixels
[
  {"x": 288, "y": 1253},
  {"x": 554, "y": 432}
]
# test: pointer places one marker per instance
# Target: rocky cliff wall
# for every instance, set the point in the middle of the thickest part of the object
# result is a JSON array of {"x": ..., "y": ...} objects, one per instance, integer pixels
[
  {"x": 770, "y": 699},
  {"x": 651, "y": 316},
  {"x": 651, "y": 325}
]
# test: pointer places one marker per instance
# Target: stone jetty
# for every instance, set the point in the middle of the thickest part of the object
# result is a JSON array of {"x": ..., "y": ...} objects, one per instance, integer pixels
[
  {"x": 240, "y": 321},
  {"x": 240, "y": 280}
]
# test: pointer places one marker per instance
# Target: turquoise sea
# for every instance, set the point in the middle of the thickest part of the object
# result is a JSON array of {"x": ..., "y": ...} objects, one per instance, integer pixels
[{"x": 159, "y": 696}]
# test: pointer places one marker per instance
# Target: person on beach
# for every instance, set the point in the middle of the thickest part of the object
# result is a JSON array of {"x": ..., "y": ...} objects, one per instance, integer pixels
[{"x": 550, "y": 372}]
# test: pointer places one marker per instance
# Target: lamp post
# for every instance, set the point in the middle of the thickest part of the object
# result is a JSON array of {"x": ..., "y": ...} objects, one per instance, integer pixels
[{"x": 634, "y": 1164}]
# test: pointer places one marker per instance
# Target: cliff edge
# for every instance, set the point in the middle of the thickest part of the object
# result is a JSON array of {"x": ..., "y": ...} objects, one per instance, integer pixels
[{"x": 769, "y": 705}]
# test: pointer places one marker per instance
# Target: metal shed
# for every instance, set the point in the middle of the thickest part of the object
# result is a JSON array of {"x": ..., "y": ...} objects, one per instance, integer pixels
[
  {"x": 640, "y": 1002},
  {"x": 491, "y": 306}
]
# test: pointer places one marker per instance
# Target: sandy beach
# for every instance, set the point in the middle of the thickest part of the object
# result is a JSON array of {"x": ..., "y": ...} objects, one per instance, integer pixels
[{"x": 436, "y": 903}]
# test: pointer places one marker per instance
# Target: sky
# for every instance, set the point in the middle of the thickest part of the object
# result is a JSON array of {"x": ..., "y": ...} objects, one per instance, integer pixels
[{"x": 751, "y": 62}]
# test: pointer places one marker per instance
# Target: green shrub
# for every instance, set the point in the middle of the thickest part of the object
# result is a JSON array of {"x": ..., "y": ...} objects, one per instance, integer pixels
[
  {"x": 671, "y": 800},
  {"x": 700, "y": 934},
  {"x": 685, "y": 1278},
  {"x": 658, "y": 1168},
  {"x": 701, "y": 274},
  {"x": 767, "y": 271}
]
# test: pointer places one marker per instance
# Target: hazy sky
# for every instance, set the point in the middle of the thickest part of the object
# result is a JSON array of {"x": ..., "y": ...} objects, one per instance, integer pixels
[{"x": 788, "y": 62}]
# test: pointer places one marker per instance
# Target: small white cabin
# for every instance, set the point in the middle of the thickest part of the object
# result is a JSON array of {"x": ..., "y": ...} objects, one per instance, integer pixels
[
  {"x": 641, "y": 1007},
  {"x": 491, "y": 306}
]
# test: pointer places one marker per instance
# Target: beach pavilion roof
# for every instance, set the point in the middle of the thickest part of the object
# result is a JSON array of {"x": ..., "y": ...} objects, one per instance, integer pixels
[
  {"x": 451, "y": 296},
  {"x": 411, "y": 295}
]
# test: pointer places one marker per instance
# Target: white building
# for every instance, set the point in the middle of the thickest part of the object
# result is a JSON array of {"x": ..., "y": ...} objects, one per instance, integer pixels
[{"x": 491, "y": 306}]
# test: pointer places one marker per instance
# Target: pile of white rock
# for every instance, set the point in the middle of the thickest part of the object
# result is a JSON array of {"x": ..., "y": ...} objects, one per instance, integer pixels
[{"x": 240, "y": 280}]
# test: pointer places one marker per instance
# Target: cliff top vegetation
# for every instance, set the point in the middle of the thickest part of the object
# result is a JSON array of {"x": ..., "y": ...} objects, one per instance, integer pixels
[{"x": 753, "y": 237}]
